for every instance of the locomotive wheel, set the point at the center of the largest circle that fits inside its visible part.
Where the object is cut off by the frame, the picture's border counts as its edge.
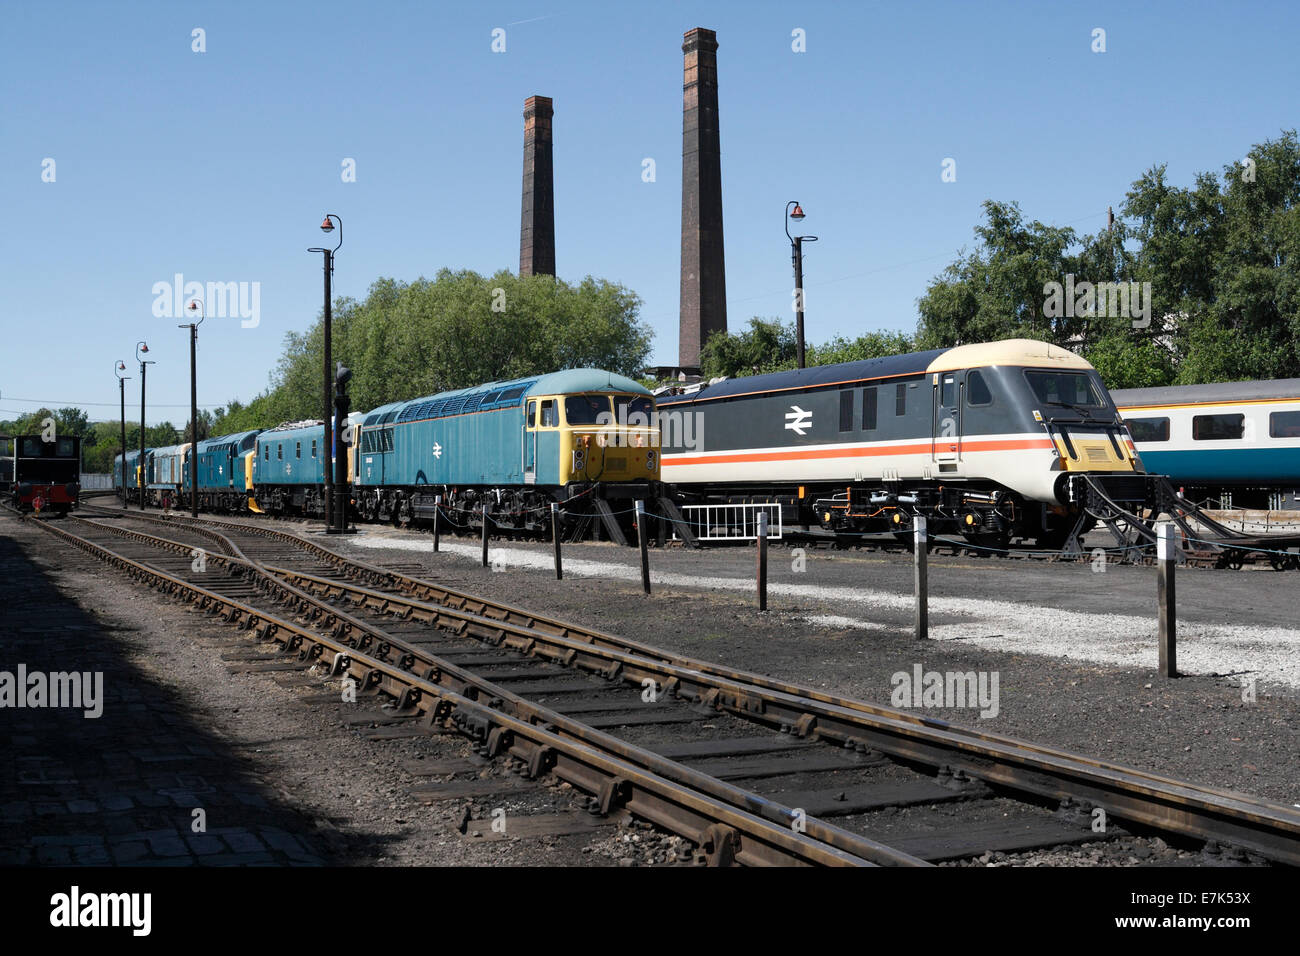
(1232, 560)
(989, 541)
(1283, 562)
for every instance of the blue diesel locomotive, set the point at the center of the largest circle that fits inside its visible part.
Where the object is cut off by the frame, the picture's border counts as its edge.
(516, 445)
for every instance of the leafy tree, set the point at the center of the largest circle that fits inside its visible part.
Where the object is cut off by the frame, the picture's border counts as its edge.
(461, 329)
(766, 346)
(1221, 256)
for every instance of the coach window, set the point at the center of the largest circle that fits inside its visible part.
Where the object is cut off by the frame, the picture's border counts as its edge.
(846, 410)
(900, 399)
(1217, 427)
(1284, 425)
(298, 451)
(869, 408)
(313, 448)
(1148, 429)
(279, 452)
(977, 390)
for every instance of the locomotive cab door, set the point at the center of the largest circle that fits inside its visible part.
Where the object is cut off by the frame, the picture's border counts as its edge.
(946, 423)
(530, 442)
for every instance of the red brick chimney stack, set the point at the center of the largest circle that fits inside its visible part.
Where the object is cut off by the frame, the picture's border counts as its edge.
(537, 221)
(704, 279)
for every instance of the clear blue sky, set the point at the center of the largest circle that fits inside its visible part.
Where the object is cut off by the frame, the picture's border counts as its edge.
(220, 165)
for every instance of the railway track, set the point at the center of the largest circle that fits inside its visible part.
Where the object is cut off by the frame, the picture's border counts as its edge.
(749, 769)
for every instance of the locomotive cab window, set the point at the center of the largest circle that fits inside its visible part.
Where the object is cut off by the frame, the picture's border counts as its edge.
(846, 410)
(279, 452)
(1284, 425)
(266, 452)
(948, 391)
(298, 451)
(1063, 388)
(628, 405)
(1218, 427)
(1148, 429)
(977, 390)
(530, 415)
(550, 414)
(585, 409)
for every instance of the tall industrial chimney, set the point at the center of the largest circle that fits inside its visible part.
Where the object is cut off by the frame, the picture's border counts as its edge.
(704, 279)
(537, 221)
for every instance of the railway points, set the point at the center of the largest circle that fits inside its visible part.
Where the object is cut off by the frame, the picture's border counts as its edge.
(272, 547)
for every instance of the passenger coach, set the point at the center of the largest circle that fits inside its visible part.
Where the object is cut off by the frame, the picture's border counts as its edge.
(1237, 443)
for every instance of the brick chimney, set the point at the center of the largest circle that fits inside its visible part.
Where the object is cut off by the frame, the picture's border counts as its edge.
(537, 221)
(704, 279)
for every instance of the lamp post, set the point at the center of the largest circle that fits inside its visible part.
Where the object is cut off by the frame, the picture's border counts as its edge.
(141, 349)
(194, 309)
(796, 256)
(327, 226)
(118, 368)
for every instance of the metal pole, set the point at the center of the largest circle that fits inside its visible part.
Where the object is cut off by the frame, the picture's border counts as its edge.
(486, 509)
(555, 536)
(643, 539)
(921, 583)
(140, 480)
(437, 519)
(194, 427)
(797, 255)
(1167, 552)
(329, 403)
(126, 495)
(762, 560)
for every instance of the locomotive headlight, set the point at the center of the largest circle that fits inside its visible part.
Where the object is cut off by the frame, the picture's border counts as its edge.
(650, 462)
(579, 459)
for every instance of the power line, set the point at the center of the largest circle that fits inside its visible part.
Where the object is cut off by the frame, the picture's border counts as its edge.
(62, 403)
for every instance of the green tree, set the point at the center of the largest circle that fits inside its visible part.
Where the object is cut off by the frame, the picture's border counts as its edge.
(766, 345)
(412, 339)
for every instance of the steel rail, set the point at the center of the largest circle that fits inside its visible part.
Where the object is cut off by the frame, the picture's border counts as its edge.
(1263, 827)
(509, 614)
(461, 692)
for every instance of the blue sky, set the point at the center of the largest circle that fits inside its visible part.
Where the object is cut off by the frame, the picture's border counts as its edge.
(219, 165)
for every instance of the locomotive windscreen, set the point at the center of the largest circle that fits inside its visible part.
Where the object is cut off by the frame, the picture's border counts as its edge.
(1064, 388)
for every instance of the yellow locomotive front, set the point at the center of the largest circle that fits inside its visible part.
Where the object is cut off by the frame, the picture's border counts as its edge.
(605, 437)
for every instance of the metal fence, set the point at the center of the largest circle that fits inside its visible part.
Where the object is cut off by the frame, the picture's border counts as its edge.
(733, 522)
(96, 482)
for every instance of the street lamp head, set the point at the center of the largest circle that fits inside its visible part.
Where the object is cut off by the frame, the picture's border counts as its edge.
(797, 215)
(121, 365)
(326, 226)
